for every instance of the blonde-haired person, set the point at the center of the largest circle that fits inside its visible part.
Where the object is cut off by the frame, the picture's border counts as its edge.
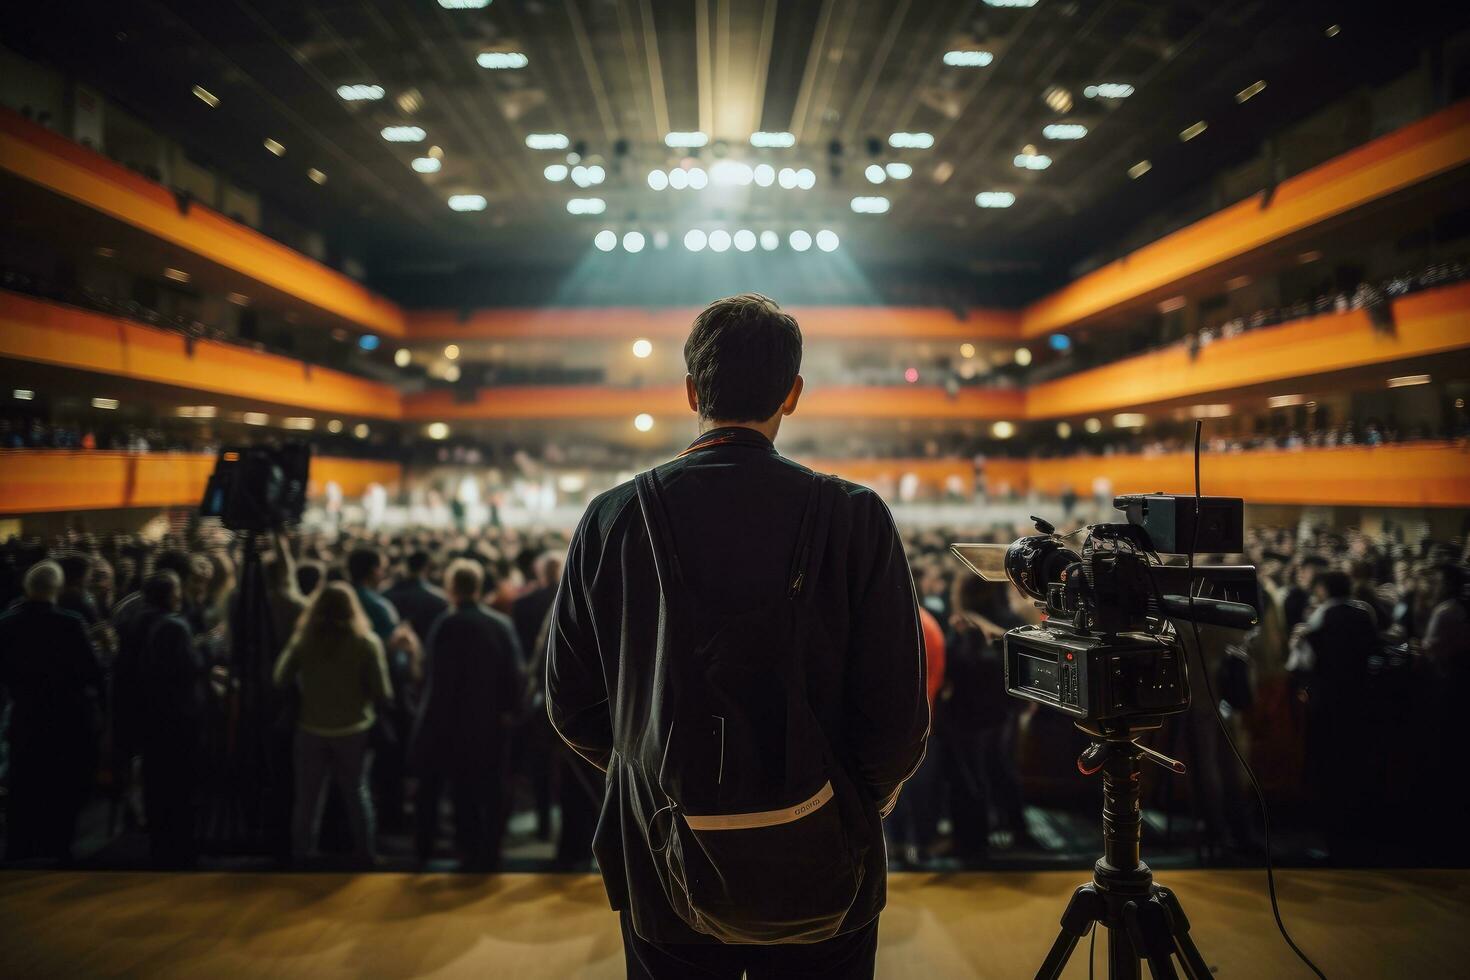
(337, 663)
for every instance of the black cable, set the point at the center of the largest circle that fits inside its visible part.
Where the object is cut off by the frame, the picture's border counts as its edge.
(1225, 729)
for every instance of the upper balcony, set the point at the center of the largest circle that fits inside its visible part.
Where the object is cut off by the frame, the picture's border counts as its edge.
(1402, 163)
(78, 194)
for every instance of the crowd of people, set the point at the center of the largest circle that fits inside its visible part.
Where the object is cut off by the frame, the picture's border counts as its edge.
(405, 673)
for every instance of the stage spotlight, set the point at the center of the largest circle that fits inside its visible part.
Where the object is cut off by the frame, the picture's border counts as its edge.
(698, 179)
(770, 241)
(1003, 430)
(451, 352)
(678, 178)
(764, 175)
(875, 174)
(967, 350)
(899, 171)
(334, 426)
(719, 240)
(555, 173)
(787, 178)
(658, 180)
(403, 357)
(437, 430)
(1093, 426)
(606, 240)
(633, 241)
(429, 165)
(827, 240)
(1064, 430)
(800, 240)
(643, 422)
(806, 179)
(695, 240)
(745, 240)
(1023, 356)
(642, 347)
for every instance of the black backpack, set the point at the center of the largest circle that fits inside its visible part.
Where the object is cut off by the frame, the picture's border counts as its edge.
(749, 813)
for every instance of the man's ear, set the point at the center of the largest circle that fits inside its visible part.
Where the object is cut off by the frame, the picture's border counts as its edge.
(792, 397)
(691, 394)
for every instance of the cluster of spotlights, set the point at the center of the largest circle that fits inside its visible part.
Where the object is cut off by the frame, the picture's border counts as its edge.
(721, 240)
(732, 173)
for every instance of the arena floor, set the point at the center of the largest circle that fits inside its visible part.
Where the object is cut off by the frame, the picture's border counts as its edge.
(974, 924)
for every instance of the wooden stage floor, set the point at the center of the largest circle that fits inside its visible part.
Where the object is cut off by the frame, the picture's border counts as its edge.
(54, 924)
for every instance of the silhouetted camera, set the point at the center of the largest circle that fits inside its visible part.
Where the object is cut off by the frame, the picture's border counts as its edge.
(1108, 653)
(258, 488)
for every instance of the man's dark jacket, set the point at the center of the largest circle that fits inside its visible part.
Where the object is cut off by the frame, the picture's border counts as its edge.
(418, 602)
(48, 665)
(474, 684)
(735, 508)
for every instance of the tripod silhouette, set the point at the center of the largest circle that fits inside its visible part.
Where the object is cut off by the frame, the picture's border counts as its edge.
(1144, 920)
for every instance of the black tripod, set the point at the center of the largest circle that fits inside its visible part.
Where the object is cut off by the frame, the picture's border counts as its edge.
(1144, 920)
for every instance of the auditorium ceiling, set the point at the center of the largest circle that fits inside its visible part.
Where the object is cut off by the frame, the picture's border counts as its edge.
(943, 100)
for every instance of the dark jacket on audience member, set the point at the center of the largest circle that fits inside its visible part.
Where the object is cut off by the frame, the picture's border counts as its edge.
(473, 687)
(48, 665)
(529, 613)
(419, 602)
(735, 507)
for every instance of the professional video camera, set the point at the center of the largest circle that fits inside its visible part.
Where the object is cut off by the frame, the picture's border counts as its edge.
(258, 488)
(1107, 654)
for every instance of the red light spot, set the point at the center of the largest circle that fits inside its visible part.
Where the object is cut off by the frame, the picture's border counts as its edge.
(1069, 656)
(911, 375)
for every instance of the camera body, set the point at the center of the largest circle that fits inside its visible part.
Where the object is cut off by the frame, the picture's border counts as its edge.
(1107, 654)
(258, 488)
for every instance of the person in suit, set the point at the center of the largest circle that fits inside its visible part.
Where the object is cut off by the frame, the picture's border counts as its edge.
(474, 688)
(49, 668)
(418, 600)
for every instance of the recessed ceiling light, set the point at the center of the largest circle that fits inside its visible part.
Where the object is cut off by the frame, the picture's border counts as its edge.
(1003, 429)
(104, 252)
(1064, 131)
(317, 177)
(361, 430)
(1108, 90)
(403, 357)
(106, 404)
(968, 59)
(502, 60)
(686, 140)
(1139, 169)
(427, 165)
(586, 205)
(899, 170)
(911, 141)
(547, 141)
(1250, 91)
(23, 395)
(827, 240)
(875, 174)
(772, 140)
(403, 134)
(467, 202)
(1333, 30)
(606, 240)
(870, 205)
(334, 426)
(255, 418)
(1190, 132)
(744, 240)
(556, 172)
(409, 102)
(437, 430)
(1129, 420)
(1172, 304)
(1209, 411)
(206, 96)
(275, 147)
(719, 240)
(633, 242)
(995, 199)
(451, 352)
(359, 93)
(657, 180)
(1286, 401)
(695, 240)
(806, 179)
(464, 4)
(1032, 161)
(1058, 99)
(1010, 3)
(1064, 430)
(1093, 425)
(1023, 356)
(237, 299)
(1409, 380)
(301, 423)
(799, 240)
(177, 275)
(770, 241)
(1237, 282)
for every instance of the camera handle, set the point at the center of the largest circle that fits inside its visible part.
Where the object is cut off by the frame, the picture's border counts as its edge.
(1144, 920)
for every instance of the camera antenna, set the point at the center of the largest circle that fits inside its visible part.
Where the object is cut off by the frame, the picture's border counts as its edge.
(1225, 729)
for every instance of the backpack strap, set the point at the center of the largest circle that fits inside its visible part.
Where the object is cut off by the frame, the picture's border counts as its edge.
(660, 532)
(811, 541)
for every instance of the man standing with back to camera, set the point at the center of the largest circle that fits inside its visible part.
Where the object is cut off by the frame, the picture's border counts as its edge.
(736, 644)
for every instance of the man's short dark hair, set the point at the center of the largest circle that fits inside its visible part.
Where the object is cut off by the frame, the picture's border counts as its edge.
(743, 354)
(161, 589)
(362, 562)
(1337, 585)
(417, 562)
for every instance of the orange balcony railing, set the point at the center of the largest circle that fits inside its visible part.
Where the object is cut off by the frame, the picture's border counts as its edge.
(45, 480)
(1427, 323)
(49, 333)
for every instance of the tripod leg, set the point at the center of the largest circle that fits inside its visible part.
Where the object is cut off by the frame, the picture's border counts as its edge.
(1149, 929)
(1195, 966)
(1084, 909)
(1122, 954)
